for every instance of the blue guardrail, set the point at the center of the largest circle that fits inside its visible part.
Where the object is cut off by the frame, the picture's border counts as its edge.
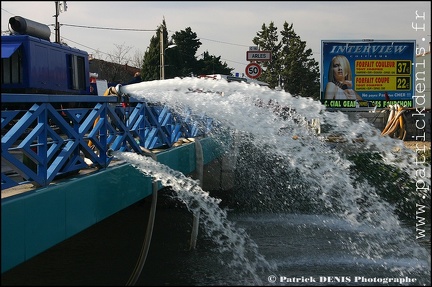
(47, 136)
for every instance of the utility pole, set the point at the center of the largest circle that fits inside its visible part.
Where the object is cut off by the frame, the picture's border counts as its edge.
(161, 47)
(60, 6)
(162, 53)
(57, 26)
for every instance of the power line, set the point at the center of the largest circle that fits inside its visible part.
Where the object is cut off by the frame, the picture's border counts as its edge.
(224, 42)
(145, 30)
(108, 28)
(131, 29)
(6, 11)
(96, 50)
(233, 61)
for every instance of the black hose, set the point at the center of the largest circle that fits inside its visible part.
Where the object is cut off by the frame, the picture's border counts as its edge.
(146, 244)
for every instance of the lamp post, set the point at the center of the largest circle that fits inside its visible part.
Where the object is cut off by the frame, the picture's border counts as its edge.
(162, 74)
(162, 54)
(169, 47)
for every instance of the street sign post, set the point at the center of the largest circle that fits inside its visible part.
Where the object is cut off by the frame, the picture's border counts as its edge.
(258, 56)
(253, 70)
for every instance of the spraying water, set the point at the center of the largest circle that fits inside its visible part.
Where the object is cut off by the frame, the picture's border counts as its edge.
(276, 128)
(229, 238)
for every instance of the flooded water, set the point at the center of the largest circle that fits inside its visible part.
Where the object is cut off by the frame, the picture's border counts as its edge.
(303, 211)
(305, 249)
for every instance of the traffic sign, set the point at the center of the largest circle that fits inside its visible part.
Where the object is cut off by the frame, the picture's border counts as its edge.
(253, 70)
(258, 56)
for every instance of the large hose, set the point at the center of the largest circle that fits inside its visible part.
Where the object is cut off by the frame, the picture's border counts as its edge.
(108, 92)
(199, 168)
(149, 231)
(395, 122)
(402, 131)
(390, 119)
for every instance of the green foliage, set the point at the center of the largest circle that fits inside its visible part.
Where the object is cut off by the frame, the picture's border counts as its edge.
(180, 61)
(392, 184)
(210, 64)
(267, 40)
(424, 155)
(291, 61)
(150, 68)
(151, 63)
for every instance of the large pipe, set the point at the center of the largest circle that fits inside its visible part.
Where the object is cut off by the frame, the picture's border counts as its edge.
(200, 174)
(23, 26)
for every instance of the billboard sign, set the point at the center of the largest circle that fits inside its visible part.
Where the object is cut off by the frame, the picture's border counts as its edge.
(362, 73)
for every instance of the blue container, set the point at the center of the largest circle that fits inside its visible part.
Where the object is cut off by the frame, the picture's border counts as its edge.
(34, 65)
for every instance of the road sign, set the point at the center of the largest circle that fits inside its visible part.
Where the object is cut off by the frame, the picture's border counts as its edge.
(253, 70)
(258, 55)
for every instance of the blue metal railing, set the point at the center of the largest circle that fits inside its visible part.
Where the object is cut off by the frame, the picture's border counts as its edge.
(54, 134)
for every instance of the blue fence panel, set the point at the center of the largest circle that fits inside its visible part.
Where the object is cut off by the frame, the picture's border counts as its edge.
(55, 135)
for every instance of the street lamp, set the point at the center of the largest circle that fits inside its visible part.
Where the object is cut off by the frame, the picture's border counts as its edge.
(162, 53)
(170, 46)
(162, 61)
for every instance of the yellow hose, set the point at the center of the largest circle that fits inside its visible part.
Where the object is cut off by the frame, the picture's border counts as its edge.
(110, 91)
(389, 120)
(402, 131)
(395, 123)
(392, 112)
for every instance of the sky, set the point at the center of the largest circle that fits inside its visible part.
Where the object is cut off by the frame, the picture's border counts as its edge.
(225, 28)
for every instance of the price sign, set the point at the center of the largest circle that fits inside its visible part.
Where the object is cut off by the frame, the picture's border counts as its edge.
(383, 67)
(253, 70)
(382, 83)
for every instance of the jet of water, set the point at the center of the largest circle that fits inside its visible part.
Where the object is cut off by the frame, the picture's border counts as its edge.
(279, 126)
(228, 238)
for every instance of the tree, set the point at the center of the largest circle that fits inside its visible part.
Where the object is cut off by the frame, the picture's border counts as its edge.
(150, 66)
(210, 64)
(291, 61)
(184, 59)
(300, 72)
(181, 60)
(137, 59)
(267, 40)
(115, 73)
(116, 68)
(151, 63)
